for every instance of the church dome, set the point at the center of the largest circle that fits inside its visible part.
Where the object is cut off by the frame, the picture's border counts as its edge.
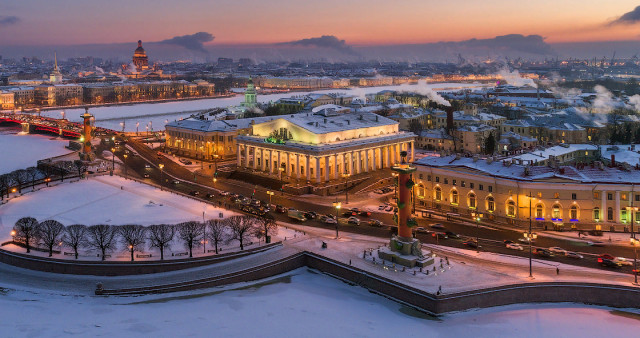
(139, 51)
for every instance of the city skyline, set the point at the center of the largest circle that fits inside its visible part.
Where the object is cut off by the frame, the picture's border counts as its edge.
(359, 23)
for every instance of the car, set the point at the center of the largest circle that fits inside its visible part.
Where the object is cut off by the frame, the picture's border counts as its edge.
(194, 193)
(381, 208)
(328, 219)
(543, 252)
(388, 208)
(623, 261)
(471, 243)
(609, 263)
(280, 209)
(571, 254)
(348, 214)
(452, 234)
(185, 161)
(159, 154)
(147, 165)
(375, 223)
(422, 230)
(557, 250)
(437, 226)
(597, 243)
(256, 203)
(514, 246)
(364, 213)
(356, 210)
(310, 215)
(606, 256)
(175, 182)
(146, 175)
(210, 195)
(438, 235)
(224, 193)
(353, 220)
(506, 241)
(525, 240)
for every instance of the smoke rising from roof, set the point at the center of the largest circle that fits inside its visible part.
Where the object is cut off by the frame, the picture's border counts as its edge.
(193, 42)
(422, 88)
(513, 78)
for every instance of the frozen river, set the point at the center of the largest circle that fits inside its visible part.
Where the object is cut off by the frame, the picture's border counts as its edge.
(158, 114)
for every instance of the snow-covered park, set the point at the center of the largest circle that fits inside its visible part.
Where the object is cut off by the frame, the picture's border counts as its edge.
(19, 151)
(302, 303)
(158, 114)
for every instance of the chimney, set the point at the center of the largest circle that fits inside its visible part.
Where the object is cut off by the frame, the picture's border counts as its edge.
(325, 121)
(613, 160)
(349, 122)
(377, 118)
(449, 118)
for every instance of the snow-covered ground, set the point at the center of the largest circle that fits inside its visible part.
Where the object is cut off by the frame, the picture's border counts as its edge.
(19, 151)
(158, 114)
(105, 200)
(301, 303)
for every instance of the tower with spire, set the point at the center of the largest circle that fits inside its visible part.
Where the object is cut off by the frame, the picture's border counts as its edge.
(250, 95)
(55, 76)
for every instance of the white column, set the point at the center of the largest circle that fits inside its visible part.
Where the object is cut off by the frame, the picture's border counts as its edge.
(374, 159)
(413, 152)
(271, 161)
(263, 162)
(289, 171)
(255, 158)
(388, 165)
(327, 169)
(317, 169)
(246, 156)
(239, 156)
(336, 174)
(297, 166)
(616, 211)
(350, 157)
(366, 160)
(358, 162)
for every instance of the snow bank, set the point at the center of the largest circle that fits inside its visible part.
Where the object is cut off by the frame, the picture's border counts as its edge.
(19, 151)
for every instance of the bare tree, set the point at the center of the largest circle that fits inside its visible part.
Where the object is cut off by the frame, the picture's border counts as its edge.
(80, 166)
(161, 235)
(102, 237)
(266, 226)
(217, 231)
(20, 176)
(25, 229)
(33, 173)
(191, 233)
(75, 236)
(5, 184)
(49, 234)
(133, 236)
(242, 227)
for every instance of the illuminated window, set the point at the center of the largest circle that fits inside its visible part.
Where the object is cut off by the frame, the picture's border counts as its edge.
(454, 197)
(596, 214)
(596, 195)
(420, 190)
(511, 208)
(610, 214)
(573, 212)
(539, 211)
(556, 211)
(556, 195)
(438, 194)
(491, 204)
(472, 201)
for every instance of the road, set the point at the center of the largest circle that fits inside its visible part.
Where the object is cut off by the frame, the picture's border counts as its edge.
(491, 239)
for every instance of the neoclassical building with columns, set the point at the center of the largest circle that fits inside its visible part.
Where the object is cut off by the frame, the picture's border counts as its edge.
(590, 196)
(320, 148)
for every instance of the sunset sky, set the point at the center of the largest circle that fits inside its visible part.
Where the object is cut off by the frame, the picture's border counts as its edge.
(359, 22)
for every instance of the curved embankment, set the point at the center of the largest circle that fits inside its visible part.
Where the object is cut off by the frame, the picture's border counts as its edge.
(118, 268)
(549, 292)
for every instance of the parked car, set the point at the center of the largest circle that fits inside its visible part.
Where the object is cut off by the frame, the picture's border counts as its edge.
(437, 226)
(439, 235)
(194, 193)
(310, 214)
(542, 252)
(364, 213)
(609, 263)
(356, 210)
(210, 195)
(375, 223)
(348, 213)
(514, 246)
(280, 209)
(471, 243)
(224, 193)
(556, 250)
(328, 219)
(572, 254)
(452, 234)
(353, 220)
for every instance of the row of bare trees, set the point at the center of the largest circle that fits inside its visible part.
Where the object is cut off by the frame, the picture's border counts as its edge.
(23, 178)
(132, 237)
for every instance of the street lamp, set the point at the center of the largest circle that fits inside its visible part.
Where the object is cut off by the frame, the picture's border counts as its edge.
(530, 237)
(270, 193)
(346, 187)
(202, 161)
(125, 164)
(337, 205)
(214, 181)
(281, 170)
(215, 161)
(13, 235)
(161, 166)
(530, 231)
(113, 159)
(476, 217)
(635, 243)
(632, 210)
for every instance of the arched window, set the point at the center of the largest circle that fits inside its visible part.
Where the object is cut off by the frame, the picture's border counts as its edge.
(610, 214)
(491, 204)
(556, 211)
(511, 208)
(472, 201)
(438, 194)
(596, 214)
(454, 197)
(420, 190)
(623, 215)
(573, 212)
(539, 211)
